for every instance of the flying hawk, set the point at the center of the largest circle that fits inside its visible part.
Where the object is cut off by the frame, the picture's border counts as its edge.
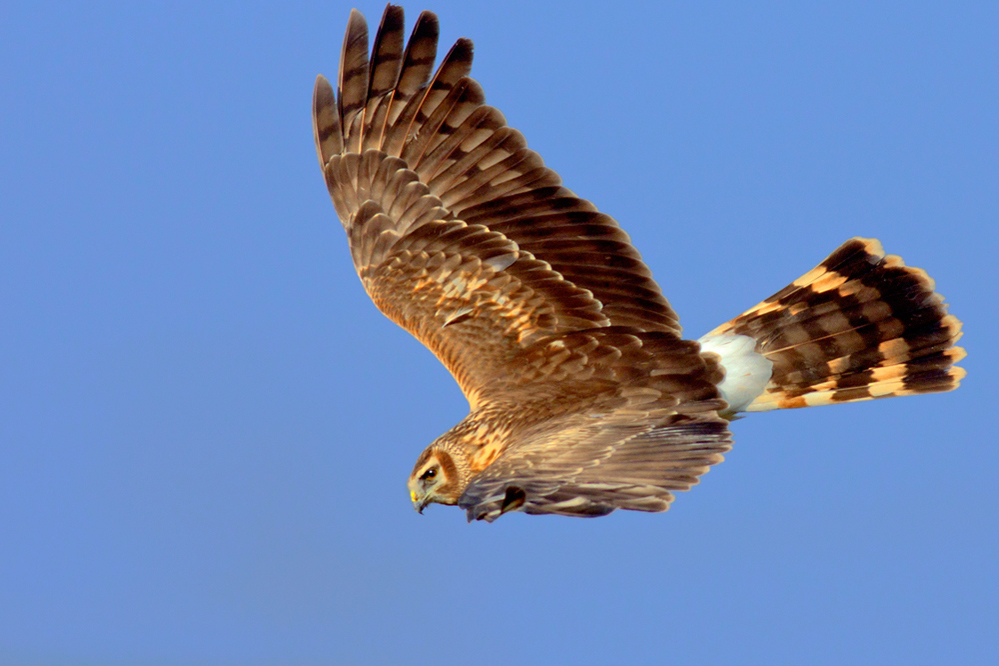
(583, 396)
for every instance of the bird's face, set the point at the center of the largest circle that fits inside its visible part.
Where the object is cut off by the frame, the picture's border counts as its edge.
(434, 479)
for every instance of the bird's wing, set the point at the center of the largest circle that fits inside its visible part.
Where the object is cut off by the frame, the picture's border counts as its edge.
(594, 467)
(458, 231)
(634, 419)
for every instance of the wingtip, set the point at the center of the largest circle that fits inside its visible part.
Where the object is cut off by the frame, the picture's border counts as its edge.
(353, 77)
(463, 49)
(392, 14)
(428, 19)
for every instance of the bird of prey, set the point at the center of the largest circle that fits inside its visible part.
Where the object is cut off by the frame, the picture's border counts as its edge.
(584, 398)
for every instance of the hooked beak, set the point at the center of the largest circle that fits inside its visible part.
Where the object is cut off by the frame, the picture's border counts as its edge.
(418, 504)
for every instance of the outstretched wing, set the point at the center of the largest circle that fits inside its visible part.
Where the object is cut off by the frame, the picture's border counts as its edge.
(597, 465)
(458, 231)
(634, 420)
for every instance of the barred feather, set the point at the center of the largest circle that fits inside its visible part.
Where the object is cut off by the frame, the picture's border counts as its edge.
(860, 325)
(446, 144)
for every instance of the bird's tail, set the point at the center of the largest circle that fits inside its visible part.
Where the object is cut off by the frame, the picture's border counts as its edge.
(860, 325)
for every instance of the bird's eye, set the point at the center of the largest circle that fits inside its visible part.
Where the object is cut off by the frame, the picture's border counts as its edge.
(429, 474)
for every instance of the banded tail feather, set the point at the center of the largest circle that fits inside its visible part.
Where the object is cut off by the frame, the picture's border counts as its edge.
(860, 325)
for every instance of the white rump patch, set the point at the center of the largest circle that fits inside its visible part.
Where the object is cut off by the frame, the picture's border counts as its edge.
(746, 371)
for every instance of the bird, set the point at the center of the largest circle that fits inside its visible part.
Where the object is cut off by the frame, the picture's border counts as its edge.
(583, 395)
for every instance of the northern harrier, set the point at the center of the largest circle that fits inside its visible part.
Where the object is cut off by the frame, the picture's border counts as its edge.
(583, 396)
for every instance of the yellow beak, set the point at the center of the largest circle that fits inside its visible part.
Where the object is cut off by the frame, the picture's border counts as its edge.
(418, 504)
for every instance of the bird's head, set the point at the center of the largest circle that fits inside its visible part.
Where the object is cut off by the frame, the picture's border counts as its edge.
(437, 477)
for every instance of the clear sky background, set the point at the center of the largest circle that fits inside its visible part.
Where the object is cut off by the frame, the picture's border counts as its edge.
(206, 426)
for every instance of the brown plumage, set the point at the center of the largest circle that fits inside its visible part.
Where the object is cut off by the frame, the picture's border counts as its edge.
(583, 396)
(860, 325)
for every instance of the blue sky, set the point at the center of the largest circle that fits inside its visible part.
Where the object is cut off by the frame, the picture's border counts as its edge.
(206, 426)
